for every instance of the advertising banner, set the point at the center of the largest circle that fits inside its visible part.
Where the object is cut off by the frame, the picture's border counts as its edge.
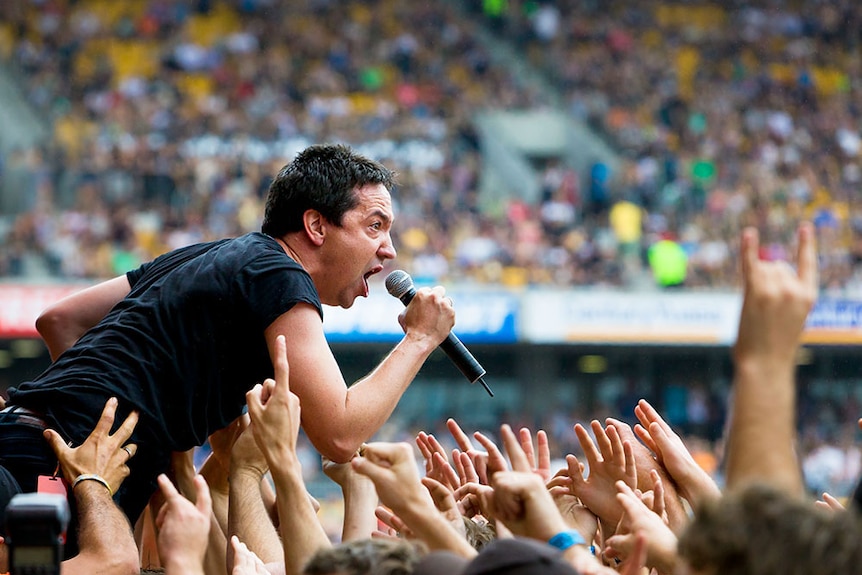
(534, 316)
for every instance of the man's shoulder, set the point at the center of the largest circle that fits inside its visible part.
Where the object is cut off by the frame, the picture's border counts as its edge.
(257, 249)
(237, 252)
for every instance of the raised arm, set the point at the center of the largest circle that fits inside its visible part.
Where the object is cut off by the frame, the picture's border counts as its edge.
(338, 419)
(275, 415)
(392, 467)
(776, 303)
(360, 500)
(63, 323)
(248, 517)
(184, 527)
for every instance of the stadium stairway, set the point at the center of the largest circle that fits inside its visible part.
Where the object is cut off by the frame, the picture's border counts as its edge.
(511, 138)
(22, 129)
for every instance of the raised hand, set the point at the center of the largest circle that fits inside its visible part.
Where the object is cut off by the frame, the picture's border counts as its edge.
(540, 460)
(247, 456)
(436, 463)
(245, 560)
(222, 440)
(395, 527)
(444, 501)
(612, 461)
(776, 300)
(640, 519)
(478, 458)
(646, 464)
(464, 467)
(275, 411)
(693, 483)
(495, 461)
(522, 502)
(577, 515)
(474, 499)
(392, 468)
(183, 527)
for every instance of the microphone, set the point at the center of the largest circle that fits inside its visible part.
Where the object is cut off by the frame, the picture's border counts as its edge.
(400, 284)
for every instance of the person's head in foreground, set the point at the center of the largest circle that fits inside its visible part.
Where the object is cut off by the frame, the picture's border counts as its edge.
(762, 531)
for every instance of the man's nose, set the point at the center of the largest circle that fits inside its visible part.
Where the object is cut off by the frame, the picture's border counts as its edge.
(387, 249)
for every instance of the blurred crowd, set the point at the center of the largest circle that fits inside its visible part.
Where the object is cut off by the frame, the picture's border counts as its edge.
(728, 114)
(170, 118)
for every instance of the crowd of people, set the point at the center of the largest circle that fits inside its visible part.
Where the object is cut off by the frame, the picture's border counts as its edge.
(635, 502)
(171, 122)
(727, 114)
(171, 118)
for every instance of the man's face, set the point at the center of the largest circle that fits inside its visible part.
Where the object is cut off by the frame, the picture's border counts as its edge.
(358, 249)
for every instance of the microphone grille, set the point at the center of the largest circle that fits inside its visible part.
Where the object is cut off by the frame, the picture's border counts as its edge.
(398, 282)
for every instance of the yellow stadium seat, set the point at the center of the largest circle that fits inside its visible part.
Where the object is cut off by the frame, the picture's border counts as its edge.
(7, 40)
(207, 29)
(196, 86)
(133, 58)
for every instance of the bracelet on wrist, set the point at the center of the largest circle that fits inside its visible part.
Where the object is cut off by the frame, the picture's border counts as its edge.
(93, 477)
(565, 539)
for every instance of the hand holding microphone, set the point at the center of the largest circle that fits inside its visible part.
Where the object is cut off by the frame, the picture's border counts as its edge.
(400, 284)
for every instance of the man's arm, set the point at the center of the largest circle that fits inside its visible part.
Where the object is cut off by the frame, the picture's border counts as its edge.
(63, 323)
(105, 537)
(776, 303)
(336, 419)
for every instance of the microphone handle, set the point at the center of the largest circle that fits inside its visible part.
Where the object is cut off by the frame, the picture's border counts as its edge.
(462, 358)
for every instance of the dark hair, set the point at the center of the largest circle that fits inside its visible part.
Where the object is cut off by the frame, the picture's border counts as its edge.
(323, 177)
(366, 557)
(759, 531)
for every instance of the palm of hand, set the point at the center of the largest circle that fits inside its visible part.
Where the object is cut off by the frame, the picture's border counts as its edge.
(577, 515)
(598, 491)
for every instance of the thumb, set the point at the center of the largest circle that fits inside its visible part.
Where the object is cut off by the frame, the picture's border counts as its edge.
(56, 442)
(442, 496)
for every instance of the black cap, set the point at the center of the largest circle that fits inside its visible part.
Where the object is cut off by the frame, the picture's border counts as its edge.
(511, 556)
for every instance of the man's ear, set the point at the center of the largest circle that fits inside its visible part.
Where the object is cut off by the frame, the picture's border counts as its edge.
(315, 226)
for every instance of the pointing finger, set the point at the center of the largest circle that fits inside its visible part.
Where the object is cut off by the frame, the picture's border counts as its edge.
(806, 258)
(749, 247)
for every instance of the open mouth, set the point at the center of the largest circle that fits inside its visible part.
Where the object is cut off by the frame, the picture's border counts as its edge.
(372, 271)
(368, 274)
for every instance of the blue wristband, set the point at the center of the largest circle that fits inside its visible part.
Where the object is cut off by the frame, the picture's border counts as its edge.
(565, 539)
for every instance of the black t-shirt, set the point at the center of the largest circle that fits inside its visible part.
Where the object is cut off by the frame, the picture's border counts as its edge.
(183, 347)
